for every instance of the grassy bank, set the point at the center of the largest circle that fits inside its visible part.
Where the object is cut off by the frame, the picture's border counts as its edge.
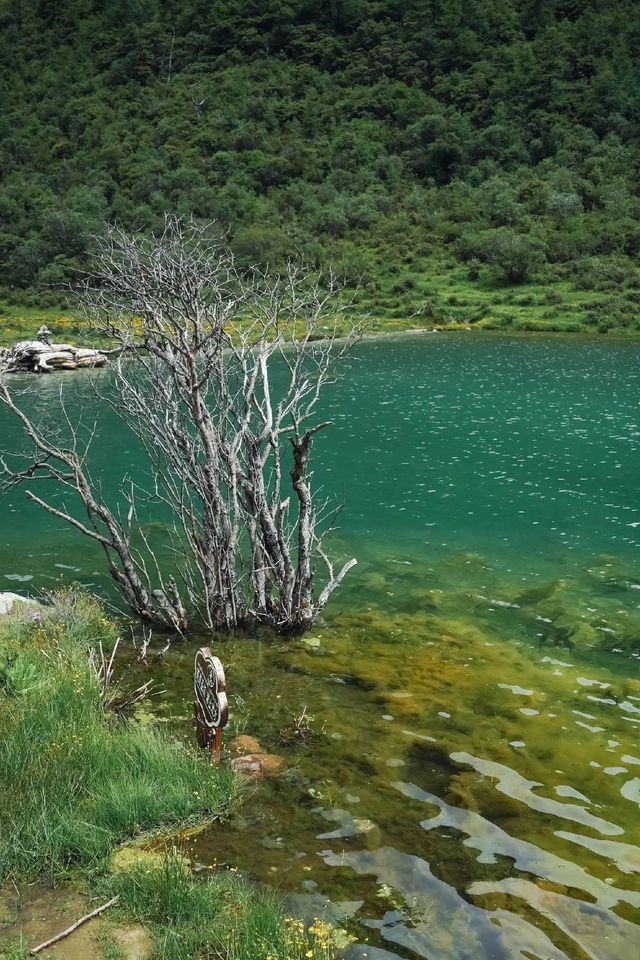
(422, 295)
(439, 291)
(76, 780)
(22, 323)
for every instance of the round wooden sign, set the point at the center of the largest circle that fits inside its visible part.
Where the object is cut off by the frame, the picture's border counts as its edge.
(208, 684)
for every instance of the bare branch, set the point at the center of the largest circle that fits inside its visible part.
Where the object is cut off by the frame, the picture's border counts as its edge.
(219, 374)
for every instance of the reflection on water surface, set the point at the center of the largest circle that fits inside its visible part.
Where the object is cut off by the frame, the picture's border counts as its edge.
(472, 790)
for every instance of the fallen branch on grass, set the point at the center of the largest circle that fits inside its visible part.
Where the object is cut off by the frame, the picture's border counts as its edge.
(74, 926)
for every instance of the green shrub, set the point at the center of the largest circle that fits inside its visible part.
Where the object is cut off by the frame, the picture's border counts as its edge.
(603, 273)
(516, 256)
(552, 297)
(401, 286)
(473, 272)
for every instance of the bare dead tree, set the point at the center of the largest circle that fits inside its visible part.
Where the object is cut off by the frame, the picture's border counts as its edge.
(63, 459)
(219, 374)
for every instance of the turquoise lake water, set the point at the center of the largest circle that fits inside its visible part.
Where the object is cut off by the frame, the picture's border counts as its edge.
(473, 786)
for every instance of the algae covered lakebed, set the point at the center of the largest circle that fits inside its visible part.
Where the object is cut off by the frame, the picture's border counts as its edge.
(472, 784)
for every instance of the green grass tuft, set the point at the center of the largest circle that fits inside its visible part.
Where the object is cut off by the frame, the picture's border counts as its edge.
(220, 916)
(13, 951)
(436, 292)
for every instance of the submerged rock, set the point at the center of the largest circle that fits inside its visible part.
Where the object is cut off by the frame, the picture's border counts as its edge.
(532, 596)
(124, 858)
(250, 760)
(258, 765)
(244, 744)
(631, 688)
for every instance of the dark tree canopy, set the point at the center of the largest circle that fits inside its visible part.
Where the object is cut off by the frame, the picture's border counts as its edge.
(327, 127)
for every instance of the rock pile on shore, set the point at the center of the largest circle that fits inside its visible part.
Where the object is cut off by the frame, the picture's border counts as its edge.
(38, 356)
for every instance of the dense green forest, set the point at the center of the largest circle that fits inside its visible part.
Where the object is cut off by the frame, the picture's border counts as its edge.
(458, 160)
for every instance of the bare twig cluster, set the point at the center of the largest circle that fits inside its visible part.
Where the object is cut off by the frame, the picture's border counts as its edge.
(219, 375)
(112, 696)
(300, 729)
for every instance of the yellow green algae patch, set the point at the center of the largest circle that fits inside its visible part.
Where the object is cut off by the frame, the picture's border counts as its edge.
(459, 769)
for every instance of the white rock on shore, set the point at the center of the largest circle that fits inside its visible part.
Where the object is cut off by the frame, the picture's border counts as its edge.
(37, 356)
(7, 601)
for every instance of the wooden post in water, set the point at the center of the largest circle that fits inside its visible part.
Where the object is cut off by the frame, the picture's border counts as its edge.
(210, 705)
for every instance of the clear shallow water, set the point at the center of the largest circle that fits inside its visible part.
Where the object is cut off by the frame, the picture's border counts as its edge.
(474, 784)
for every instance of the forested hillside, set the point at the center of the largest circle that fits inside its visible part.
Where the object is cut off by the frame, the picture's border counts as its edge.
(440, 153)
